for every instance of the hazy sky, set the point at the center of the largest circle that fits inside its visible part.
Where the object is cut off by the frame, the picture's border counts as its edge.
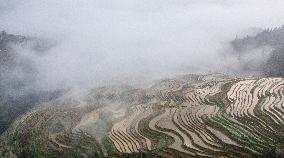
(99, 40)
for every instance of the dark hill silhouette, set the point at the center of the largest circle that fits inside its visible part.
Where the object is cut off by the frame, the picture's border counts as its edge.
(274, 38)
(15, 99)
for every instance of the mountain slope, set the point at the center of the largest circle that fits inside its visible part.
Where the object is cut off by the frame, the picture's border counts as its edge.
(189, 116)
(272, 38)
(17, 76)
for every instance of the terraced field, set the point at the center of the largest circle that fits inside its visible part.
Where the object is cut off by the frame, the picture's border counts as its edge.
(189, 116)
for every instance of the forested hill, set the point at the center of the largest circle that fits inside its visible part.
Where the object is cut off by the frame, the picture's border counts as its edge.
(17, 75)
(273, 38)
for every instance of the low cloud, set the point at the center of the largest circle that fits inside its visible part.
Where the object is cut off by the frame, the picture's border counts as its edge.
(101, 41)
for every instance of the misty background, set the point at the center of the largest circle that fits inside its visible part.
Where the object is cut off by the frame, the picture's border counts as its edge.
(73, 43)
(105, 40)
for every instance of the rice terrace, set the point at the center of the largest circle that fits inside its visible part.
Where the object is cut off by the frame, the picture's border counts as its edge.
(141, 79)
(191, 116)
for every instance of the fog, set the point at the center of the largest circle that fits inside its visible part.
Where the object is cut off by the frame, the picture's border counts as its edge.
(101, 41)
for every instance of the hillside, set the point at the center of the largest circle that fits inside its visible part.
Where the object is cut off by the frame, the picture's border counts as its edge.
(188, 116)
(272, 38)
(17, 74)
